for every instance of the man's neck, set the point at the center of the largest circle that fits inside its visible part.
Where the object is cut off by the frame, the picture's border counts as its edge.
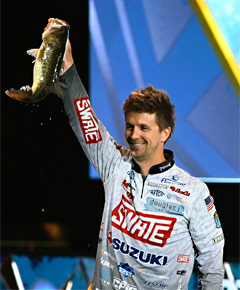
(146, 165)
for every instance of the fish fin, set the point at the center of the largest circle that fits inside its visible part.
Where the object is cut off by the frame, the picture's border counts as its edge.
(33, 52)
(57, 90)
(23, 95)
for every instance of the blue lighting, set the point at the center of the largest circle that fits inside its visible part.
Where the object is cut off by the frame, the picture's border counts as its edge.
(227, 15)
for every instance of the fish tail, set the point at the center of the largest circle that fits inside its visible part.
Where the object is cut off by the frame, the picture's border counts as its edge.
(25, 94)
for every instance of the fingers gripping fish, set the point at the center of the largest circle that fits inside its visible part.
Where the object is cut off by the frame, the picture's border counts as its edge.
(47, 64)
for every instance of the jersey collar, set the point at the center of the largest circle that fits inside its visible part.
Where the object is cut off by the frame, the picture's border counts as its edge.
(158, 168)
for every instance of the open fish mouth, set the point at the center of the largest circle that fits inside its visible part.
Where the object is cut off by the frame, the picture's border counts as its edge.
(56, 23)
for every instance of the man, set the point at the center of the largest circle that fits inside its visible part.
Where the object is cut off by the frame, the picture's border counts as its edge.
(157, 218)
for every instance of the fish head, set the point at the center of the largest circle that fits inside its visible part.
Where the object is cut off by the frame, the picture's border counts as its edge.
(55, 29)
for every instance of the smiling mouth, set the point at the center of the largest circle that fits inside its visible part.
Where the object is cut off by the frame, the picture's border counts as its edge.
(133, 144)
(137, 144)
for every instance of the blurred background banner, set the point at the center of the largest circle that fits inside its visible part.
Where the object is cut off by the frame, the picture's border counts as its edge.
(46, 273)
(193, 54)
(66, 273)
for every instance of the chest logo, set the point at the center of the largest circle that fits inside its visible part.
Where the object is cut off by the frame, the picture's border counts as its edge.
(148, 228)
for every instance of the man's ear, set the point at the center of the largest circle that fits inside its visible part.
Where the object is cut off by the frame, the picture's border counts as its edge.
(166, 133)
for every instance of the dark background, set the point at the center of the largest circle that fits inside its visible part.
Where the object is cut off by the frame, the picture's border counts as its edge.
(44, 173)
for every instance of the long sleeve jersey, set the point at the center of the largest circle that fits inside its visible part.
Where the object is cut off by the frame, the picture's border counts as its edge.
(152, 230)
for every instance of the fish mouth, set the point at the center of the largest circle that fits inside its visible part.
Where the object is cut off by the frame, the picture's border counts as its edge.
(56, 23)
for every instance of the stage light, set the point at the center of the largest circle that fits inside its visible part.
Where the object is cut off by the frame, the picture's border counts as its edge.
(11, 275)
(43, 285)
(17, 275)
(230, 283)
(69, 285)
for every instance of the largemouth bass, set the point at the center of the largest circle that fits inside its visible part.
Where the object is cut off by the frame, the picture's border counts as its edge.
(47, 65)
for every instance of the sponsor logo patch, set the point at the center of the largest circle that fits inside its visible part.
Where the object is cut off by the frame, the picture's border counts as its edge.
(155, 285)
(164, 167)
(88, 122)
(147, 228)
(178, 190)
(156, 192)
(105, 274)
(181, 272)
(172, 180)
(175, 197)
(122, 285)
(183, 258)
(159, 185)
(139, 255)
(163, 206)
(217, 220)
(209, 202)
(126, 270)
(106, 263)
(218, 238)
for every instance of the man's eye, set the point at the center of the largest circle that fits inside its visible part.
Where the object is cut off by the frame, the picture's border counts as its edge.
(129, 127)
(144, 128)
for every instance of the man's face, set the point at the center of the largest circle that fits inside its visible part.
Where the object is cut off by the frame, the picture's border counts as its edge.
(144, 137)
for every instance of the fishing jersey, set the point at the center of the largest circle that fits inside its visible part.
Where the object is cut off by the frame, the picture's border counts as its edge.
(153, 229)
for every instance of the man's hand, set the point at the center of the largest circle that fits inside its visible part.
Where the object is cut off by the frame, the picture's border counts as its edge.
(68, 58)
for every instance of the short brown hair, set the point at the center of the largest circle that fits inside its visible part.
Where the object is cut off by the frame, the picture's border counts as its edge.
(150, 100)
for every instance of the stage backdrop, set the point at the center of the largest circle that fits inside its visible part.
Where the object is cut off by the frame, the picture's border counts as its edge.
(134, 43)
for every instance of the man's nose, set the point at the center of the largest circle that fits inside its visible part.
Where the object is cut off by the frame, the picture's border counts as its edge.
(135, 134)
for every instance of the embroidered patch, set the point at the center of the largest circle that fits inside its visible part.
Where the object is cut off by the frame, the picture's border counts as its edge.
(217, 220)
(183, 259)
(126, 270)
(218, 239)
(209, 202)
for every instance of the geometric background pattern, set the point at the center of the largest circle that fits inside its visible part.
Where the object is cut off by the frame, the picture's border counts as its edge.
(134, 43)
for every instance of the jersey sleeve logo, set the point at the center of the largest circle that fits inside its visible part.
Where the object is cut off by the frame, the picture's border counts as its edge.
(148, 228)
(88, 122)
(209, 201)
